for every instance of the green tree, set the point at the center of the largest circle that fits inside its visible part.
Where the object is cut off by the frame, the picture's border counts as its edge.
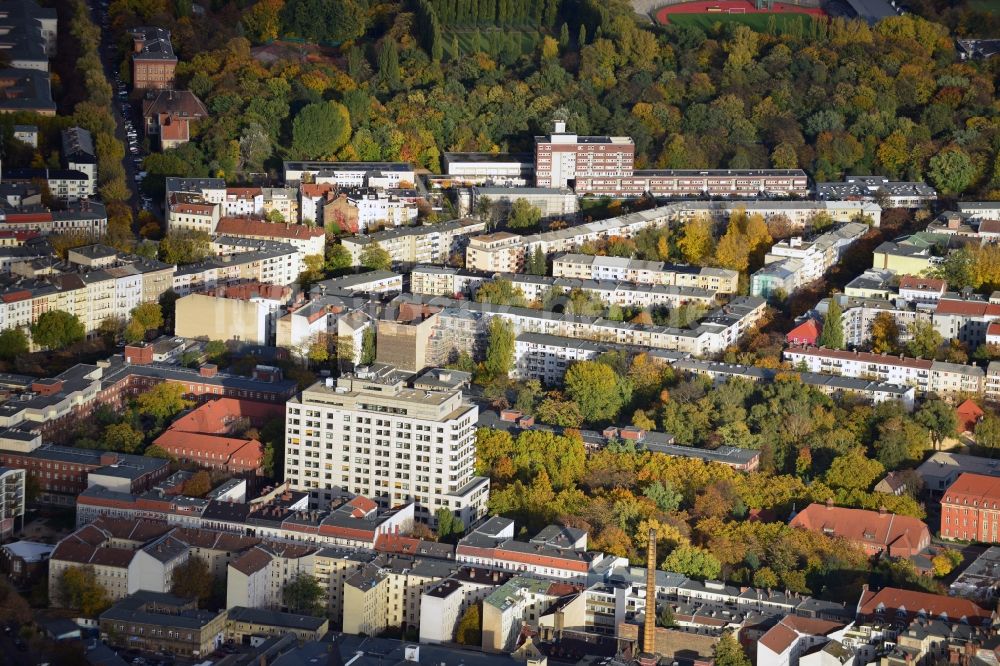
(56, 329)
(536, 264)
(448, 523)
(832, 335)
(193, 580)
(854, 471)
(303, 595)
(158, 452)
(664, 496)
(338, 258)
(693, 561)
(939, 418)
(320, 130)
(499, 348)
(368, 349)
(523, 215)
(122, 437)
(375, 258)
(501, 292)
(924, 340)
(145, 317)
(988, 433)
(597, 389)
(185, 247)
(952, 170)
(13, 343)
(729, 652)
(388, 63)
(665, 616)
(163, 401)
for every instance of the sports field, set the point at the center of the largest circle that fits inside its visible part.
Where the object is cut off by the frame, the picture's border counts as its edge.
(705, 13)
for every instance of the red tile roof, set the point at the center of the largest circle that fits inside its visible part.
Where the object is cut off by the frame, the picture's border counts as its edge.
(805, 333)
(218, 416)
(252, 561)
(922, 283)
(891, 602)
(973, 490)
(782, 635)
(315, 190)
(245, 226)
(243, 192)
(989, 227)
(951, 306)
(901, 535)
(29, 217)
(213, 450)
(247, 291)
(968, 414)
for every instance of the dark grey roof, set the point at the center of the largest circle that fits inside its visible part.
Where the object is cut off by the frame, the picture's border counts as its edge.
(156, 44)
(78, 145)
(275, 618)
(26, 89)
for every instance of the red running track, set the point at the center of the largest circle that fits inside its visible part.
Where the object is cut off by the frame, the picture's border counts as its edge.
(723, 7)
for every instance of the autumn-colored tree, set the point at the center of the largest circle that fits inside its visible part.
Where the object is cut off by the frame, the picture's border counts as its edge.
(193, 579)
(697, 242)
(79, 589)
(469, 630)
(854, 470)
(884, 333)
(198, 485)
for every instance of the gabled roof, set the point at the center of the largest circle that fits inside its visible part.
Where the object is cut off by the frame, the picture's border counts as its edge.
(973, 490)
(866, 527)
(175, 103)
(891, 601)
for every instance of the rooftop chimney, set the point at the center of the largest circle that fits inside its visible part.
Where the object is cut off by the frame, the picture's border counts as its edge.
(649, 627)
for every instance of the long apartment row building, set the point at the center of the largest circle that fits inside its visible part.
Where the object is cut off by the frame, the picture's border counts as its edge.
(370, 434)
(419, 335)
(427, 244)
(927, 376)
(589, 267)
(438, 281)
(506, 252)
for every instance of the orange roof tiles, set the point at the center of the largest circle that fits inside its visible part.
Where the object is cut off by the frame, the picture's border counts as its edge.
(891, 602)
(973, 490)
(949, 306)
(240, 226)
(783, 635)
(867, 528)
(922, 283)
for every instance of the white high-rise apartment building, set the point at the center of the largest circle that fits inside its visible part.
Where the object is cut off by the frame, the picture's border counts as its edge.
(371, 435)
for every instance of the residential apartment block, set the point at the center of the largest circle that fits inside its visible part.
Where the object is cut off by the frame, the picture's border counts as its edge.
(453, 281)
(246, 312)
(427, 244)
(369, 434)
(589, 267)
(78, 154)
(791, 264)
(12, 499)
(499, 252)
(935, 377)
(737, 183)
(160, 622)
(965, 319)
(351, 174)
(67, 185)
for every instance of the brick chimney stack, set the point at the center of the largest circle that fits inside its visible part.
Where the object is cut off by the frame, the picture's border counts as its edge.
(649, 627)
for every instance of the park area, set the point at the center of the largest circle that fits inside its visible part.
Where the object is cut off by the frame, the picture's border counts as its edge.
(705, 13)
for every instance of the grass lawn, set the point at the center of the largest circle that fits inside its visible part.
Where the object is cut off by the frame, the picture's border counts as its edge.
(759, 22)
